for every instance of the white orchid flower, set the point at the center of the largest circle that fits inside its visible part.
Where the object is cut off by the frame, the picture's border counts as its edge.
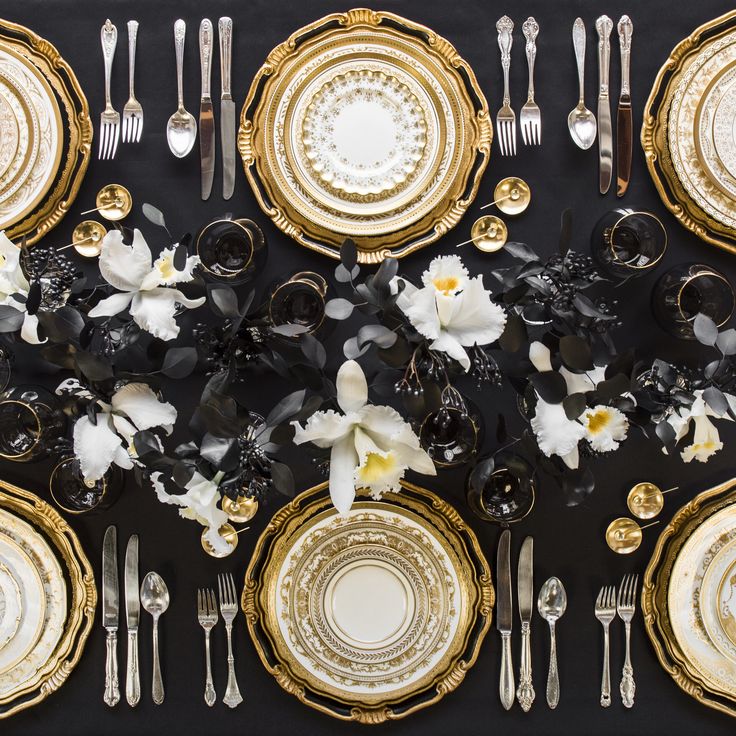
(451, 309)
(134, 407)
(144, 286)
(199, 503)
(706, 439)
(605, 427)
(372, 446)
(13, 281)
(556, 434)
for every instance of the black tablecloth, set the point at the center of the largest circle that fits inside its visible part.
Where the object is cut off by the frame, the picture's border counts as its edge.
(569, 542)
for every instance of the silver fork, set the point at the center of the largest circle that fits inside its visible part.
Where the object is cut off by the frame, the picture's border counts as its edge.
(110, 118)
(626, 609)
(229, 610)
(530, 119)
(605, 612)
(132, 112)
(506, 118)
(207, 617)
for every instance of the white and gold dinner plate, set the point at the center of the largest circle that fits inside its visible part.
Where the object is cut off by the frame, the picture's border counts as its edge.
(11, 605)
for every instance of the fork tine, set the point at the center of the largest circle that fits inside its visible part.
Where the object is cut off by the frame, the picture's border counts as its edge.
(125, 128)
(538, 133)
(116, 135)
(199, 602)
(233, 593)
(499, 131)
(599, 599)
(138, 128)
(219, 587)
(505, 129)
(513, 138)
(101, 153)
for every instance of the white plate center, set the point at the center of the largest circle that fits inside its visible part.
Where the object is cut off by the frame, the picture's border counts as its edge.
(365, 135)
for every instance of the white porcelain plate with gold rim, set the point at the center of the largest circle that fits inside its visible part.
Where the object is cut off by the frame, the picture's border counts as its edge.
(11, 605)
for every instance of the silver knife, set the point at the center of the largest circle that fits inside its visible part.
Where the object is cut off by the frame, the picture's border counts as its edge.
(624, 122)
(227, 108)
(604, 26)
(525, 585)
(133, 614)
(206, 114)
(110, 607)
(504, 619)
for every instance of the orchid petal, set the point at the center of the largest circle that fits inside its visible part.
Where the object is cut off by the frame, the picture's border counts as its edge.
(124, 266)
(555, 433)
(343, 461)
(29, 330)
(421, 311)
(476, 320)
(323, 429)
(540, 356)
(446, 343)
(97, 447)
(446, 269)
(154, 311)
(141, 405)
(352, 387)
(112, 305)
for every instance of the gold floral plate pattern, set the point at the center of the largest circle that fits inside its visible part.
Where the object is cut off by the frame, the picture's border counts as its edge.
(365, 125)
(686, 598)
(71, 597)
(687, 135)
(45, 134)
(372, 616)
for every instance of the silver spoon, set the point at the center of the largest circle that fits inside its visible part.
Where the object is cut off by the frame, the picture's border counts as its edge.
(552, 603)
(155, 599)
(581, 121)
(181, 130)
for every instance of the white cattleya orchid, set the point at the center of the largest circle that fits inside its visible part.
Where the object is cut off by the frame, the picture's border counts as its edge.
(109, 439)
(199, 503)
(372, 446)
(14, 282)
(145, 287)
(452, 310)
(706, 439)
(605, 427)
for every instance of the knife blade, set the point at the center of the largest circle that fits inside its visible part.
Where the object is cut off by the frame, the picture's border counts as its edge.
(227, 107)
(525, 591)
(604, 26)
(110, 611)
(624, 122)
(206, 113)
(504, 618)
(133, 615)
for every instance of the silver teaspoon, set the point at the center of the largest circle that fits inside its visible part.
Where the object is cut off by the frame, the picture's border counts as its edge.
(181, 130)
(155, 599)
(551, 604)
(581, 121)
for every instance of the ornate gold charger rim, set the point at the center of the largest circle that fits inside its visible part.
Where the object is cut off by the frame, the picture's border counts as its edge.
(448, 674)
(81, 591)
(76, 133)
(403, 240)
(654, 595)
(654, 137)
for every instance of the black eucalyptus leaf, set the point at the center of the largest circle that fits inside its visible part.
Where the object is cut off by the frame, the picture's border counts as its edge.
(221, 452)
(521, 251)
(33, 300)
(183, 472)
(574, 405)
(179, 362)
(351, 350)
(575, 353)
(307, 375)
(343, 276)
(339, 308)
(286, 408)
(223, 300)
(726, 341)
(667, 435)
(60, 354)
(388, 269)
(220, 416)
(378, 334)
(705, 329)
(482, 471)
(91, 411)
(577, 485)
(613, 387)
(283, 478)
(154, 215)
(550, 385)
(181, 253)
(290, 330)
(282, 435)
(711, 369)
(586, 307)
(384, 382)
(313, 350)
(62, 325)
(349, 254)
(514, 335)
(398, 355)
(93, 368)
(565, 231)
(716, 400)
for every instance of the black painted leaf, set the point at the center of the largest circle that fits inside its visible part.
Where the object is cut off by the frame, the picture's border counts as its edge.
(282, 435)
(290, 330)
(154, 215)
(574, 405)
(715, 399)
(314, 351)
(286, 408)
(339, 308)
(180, 257)
(33, 300)
(378, 334)
(179, 362)
(666, 434)
(351, 350)
(307, 375)
(577, 485)
(705, 329)
(223, 300)
(343, 276)
(219, 414)
(514, 334)
(550, 385)
(501, 433)
(61, 354)
(482, 471)
(398, 354)
(222, 452)
(575, 353)
(711, 369)
(521, 251)
(726, 341)
(386, 271)
(349, 254)
(183, 472)
(283, 478)
(384, 382)
(586, 307)
(93, 368)
(63, 324)
(611, 388)
(565, 231)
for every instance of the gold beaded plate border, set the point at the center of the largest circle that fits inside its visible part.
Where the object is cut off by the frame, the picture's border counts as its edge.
(471, 120)
(440, 520)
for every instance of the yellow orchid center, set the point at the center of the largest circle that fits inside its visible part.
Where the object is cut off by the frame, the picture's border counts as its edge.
(166, 267)
(376, 467)
(446, 284)
(598, 421)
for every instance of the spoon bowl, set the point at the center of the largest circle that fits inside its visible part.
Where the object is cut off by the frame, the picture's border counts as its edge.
(582, 125)
(154, 594)
(552, 601)
(181, 132)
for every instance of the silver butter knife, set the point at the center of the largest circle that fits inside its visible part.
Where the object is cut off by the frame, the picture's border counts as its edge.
(604, 26)
(133, 614)
(110, 608)
(227, 107)
(525, 586)
(206, 114)
(504, 619)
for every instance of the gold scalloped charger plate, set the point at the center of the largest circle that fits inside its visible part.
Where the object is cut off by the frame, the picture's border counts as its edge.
(371, 616)
(42, 539)
(688, 134)
(689, 598)
(365, 125)
(45, 134)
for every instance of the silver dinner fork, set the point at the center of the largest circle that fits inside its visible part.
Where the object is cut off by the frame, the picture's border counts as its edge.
(229, 610)
(110, 118)
(506, 118)
(207, 617)
(530, 118)
(132, 112)
(605, 612)
(626, 609)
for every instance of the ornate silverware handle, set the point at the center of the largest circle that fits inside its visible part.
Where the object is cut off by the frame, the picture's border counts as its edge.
(578, 43)
(553, 677)
(628, 686)
(232, 692)
(180, 32)
(506, 682)
(525, 692)
(132, 674)
(209, 688)
(505, 26)
(226, 54)
(604, 26)
(531, 31)
(606, 681)
(109, 39)
(132, 41)
(157, 686)
(205, 55)
(625, 32)
(112, 689)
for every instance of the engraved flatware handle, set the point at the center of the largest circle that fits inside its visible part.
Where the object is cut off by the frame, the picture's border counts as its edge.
(232, 697)
(505, 27)
(132, 41)
(112, 689)
(209, 689)
(578, 43)
(625, 32)
(530, 29)
(506, 683)
(109, 39)
(606, 681)
(205, 55)
(553, 677)
(225, 26)
(132, 674)
(157, 686)
(180, 33)
(628, 686)
(604, 26)
(525, 692)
